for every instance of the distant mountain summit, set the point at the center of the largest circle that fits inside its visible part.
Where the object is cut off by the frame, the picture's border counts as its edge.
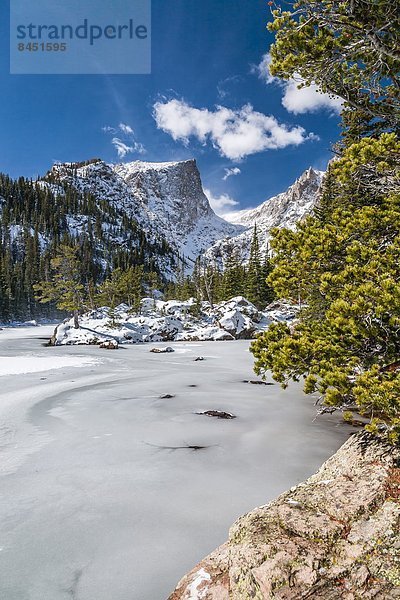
(287, 208)
(166, 199)
(284, 210)
(168, 202)
(129, 214)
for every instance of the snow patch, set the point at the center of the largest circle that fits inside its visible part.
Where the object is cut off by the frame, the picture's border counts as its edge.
(19, 365)
(174, 320)
(202, 578)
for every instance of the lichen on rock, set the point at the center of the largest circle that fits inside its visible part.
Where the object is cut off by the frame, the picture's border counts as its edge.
(334, 536)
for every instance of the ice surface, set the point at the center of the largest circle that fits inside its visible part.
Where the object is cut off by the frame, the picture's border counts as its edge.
(33, 364)
(100, 497)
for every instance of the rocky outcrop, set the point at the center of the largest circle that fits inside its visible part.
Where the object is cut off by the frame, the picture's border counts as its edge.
(285, 209)
(335, 536)
(172, 321)
(109, 345)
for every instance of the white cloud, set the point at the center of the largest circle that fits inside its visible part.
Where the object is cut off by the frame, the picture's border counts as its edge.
(231, 173)
(220, 204)
(308, 99)
(108, 129)
(262, 69)
(234, 133)
(123, 140)
(126, 129)
(224, 83)
(122, 148)
(298, 100)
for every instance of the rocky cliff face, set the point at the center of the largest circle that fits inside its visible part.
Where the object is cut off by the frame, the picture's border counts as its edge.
(335, 536)
(166, 199)
(283, 210)
(286, 209)
(168, 202)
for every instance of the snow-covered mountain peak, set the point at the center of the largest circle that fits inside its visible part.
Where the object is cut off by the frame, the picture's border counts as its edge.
(168, 202)
(171, 188)
(172, 200)
(166, 199)
(140, 165)
(287, 208)
(284, 210)
(79, 169)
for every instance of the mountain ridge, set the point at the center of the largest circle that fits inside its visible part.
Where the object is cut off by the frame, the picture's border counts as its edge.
(154, 215)
(283, 210)
(248, 216)
(168, 201)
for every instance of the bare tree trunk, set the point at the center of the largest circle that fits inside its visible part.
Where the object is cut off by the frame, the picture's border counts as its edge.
(208, 281)
(76, 319)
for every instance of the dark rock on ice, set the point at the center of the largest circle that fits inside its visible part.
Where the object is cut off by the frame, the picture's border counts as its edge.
(218, 414)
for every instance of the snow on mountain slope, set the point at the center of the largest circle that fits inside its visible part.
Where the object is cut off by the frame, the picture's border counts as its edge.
(166, 199)
(284, 210)
(287, 208)
(173, 201)
(168, 202)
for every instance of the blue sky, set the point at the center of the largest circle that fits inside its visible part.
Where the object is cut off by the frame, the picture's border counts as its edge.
(205, 98)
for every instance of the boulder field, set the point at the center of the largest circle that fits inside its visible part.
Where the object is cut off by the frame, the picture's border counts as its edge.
(172, 321)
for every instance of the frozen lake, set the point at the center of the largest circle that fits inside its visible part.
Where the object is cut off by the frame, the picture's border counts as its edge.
(92, 504)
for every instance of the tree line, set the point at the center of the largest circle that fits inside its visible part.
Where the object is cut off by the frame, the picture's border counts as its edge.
(65, 288)
(37, 218)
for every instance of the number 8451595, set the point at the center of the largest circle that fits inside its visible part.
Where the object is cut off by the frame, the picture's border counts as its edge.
(42, 47)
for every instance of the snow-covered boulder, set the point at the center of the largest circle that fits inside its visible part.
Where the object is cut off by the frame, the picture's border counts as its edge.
(203, 334)
(174, 320)
(177, 307)
(239, 325)
(240, 304)
(109, 345)
(166, 350)
(147, 305)
(164, 329)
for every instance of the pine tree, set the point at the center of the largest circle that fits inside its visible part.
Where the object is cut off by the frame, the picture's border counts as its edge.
(325, 44)
(122, 287)
(65, 286)
(324, 208)
(233, 279)
(347, 268)
(267, 292)
(342, 265)
(255, 284)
